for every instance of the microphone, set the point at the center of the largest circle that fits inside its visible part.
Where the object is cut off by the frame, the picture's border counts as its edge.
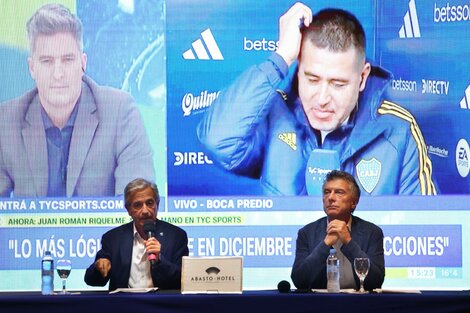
(283, 286)
(149, 229)
(320, 163)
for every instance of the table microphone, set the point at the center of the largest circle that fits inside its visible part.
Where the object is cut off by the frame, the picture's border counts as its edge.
(283, 286)
(149, 229)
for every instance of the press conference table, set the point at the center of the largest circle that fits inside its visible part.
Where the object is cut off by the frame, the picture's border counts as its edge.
(250, 301)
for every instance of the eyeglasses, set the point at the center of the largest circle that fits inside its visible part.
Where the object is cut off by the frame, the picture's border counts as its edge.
(150, 203)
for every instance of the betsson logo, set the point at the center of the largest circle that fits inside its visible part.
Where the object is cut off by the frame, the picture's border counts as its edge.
(205, 49)
(404, 85)
(191, 103)
(451, 13)
(259, 44)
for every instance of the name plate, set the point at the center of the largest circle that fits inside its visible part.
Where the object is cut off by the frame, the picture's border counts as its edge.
(211, 275)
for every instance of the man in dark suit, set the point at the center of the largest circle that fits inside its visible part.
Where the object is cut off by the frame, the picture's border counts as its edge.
(123, 258)
(351, 236)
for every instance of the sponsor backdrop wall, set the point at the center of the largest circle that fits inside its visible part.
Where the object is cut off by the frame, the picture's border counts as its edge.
(175, 58)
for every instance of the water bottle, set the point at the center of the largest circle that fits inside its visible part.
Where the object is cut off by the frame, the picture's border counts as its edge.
(332, 272)
(47, 274)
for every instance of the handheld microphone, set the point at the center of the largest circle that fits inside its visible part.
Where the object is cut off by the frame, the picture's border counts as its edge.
(283, 286)
(149, 229)
(320, 163)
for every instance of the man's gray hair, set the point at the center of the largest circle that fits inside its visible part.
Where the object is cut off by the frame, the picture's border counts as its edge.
(51, 19)
(137, 185)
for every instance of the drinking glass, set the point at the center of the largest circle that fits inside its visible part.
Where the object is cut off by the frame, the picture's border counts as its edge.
(361, 267)
(64, 267)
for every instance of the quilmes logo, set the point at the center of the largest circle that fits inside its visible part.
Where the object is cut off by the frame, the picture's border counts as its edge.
(465, 102)
(410, 27)
(192, 103)
(204, 48)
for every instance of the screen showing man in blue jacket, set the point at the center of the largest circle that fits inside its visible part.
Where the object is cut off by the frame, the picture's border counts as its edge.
(270, 124)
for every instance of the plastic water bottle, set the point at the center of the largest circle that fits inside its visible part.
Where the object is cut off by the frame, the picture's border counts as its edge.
(47, 274)
(332, 272)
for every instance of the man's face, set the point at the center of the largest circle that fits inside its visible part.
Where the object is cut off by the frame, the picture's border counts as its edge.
(338, 200)
(142, 208)
(57, 65)
(329, 84)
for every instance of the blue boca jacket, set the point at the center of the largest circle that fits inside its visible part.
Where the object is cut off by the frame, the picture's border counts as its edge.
(258, 129)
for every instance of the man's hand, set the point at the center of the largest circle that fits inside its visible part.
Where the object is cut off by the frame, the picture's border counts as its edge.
(289, 31)
(152, 245)
(103, 266)
(331, 239)
(337, 230)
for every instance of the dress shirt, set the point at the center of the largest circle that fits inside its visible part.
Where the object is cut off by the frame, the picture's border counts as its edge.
(58, 146)
(140, 276)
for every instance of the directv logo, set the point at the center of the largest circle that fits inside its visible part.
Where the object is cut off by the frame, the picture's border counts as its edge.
(465, 102)
(410, 27)
(203, 48)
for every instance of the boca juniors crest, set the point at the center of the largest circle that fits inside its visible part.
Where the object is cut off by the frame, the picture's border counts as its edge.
(368, 173)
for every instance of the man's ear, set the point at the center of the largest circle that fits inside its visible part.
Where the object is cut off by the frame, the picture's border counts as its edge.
(353, 206)
(364, 75)
(84, 60)
(31, 67)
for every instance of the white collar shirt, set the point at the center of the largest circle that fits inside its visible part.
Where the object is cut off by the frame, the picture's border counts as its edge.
(140, 276)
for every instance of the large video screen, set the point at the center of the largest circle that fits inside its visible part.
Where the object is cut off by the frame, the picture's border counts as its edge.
(177, 59)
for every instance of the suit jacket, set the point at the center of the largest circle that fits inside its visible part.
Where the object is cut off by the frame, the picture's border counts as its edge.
(109, 146)
(309, 269)
(117, 247)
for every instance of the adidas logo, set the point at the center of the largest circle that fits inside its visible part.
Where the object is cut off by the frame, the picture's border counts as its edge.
(203, 48)
(410, 27)
(465, 102)
(290, 139)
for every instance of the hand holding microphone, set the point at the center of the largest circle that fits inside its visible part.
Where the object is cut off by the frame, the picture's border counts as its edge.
(152, 245)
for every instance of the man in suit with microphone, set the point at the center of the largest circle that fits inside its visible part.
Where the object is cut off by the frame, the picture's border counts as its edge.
(317, 91)
(352, 237)
(137, 256)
